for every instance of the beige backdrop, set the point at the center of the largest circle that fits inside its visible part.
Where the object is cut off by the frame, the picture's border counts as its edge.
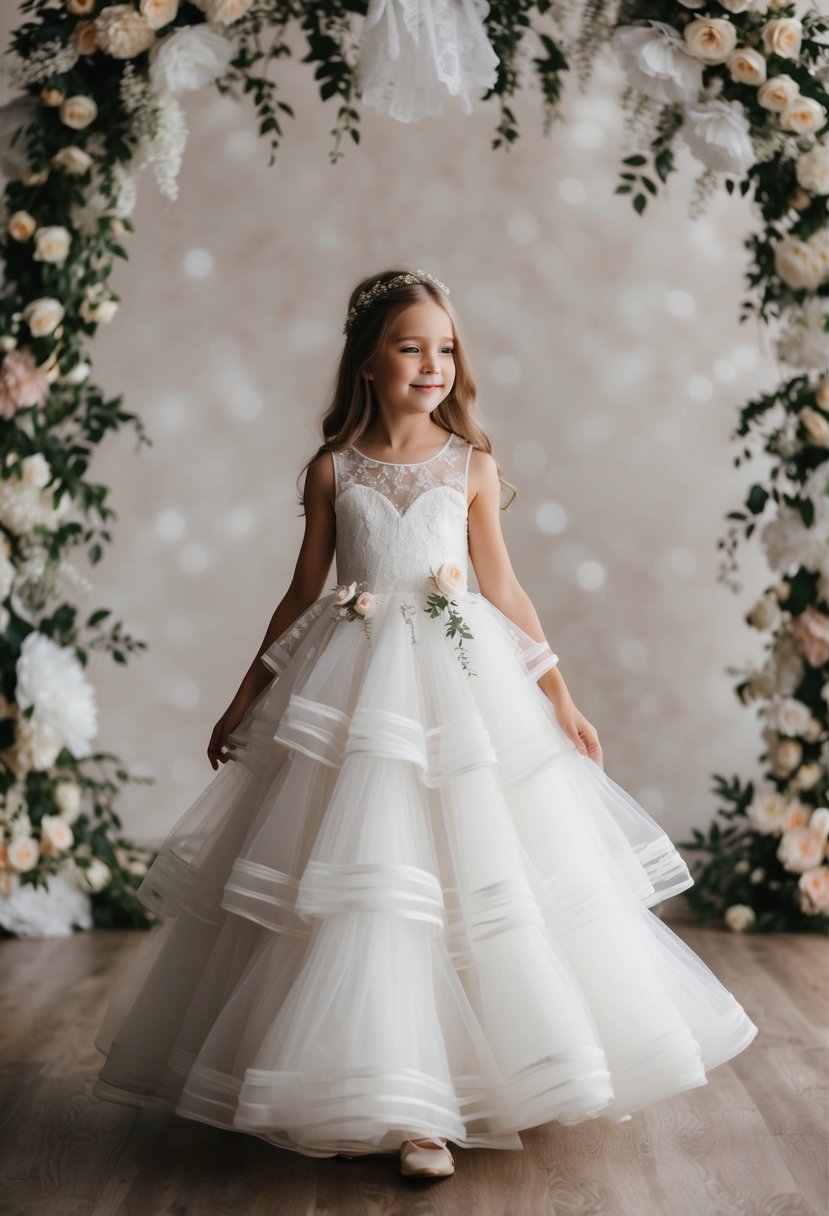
(611, 367)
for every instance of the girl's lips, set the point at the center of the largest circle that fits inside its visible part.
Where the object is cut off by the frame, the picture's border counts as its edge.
(427, 387)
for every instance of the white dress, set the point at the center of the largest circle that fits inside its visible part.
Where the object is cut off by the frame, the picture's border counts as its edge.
(410, 906)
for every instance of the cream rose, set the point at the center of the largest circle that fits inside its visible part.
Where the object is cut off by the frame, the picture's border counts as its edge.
(56, 834)
(81, 8)
(760, 687)
(816, 426)
(767, 812)
(21, 225)
(67, 795)
(777, 93)
(23, 853)
(765, 614)
(122, 32)
(711, 39)
(801, 849)
(796, 264)
(365, 605)
(43, 315)
(97, 311)
(815, 886)
(739, 917)
(792, 717)
(747, 66)
(818, 242)
(807, 776)
(157, 13)
(450, 579)
(85, 38)
(77, 374)
(225, 12)
(51, 97)
(819, 823)
(812, 169)
(78, 111)
(785, 757)
(52, 244)
(72, 159)
(95, 876)
(782, 36)
(803, 116)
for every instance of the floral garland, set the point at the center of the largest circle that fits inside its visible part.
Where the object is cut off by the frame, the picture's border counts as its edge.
(742, 82)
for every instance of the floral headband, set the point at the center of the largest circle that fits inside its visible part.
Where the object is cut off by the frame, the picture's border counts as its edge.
(368, 297)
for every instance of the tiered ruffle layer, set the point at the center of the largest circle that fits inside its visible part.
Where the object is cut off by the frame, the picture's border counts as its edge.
(409, 907)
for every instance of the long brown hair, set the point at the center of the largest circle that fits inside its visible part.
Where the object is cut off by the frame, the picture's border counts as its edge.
(354, 408)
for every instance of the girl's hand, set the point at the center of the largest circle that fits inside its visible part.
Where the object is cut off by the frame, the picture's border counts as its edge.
(228, 722)
(578, 729)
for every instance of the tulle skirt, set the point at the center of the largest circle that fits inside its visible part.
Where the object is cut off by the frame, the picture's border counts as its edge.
(409, 906)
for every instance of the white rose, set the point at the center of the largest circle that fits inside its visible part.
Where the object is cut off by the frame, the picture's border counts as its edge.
(657, 62)
(803, 116)
(747, 66)
(812, 169)
(765, 614)
(450, 579)
(782, 36)
(43, 315)
(121, 31)
(157, 13)
(796, 264)
(67, 795)
(816, 426)
(189, 58)
(73, 159)
(718, 134)
(365, 605)
(711, 39)
(807, 776)
(792, 717)
(23, 853)
(95, 876)
(777, 93)
(739, 917)
(21, 225)
(56, 834)
(99, 311)
(799, 850)
(52, 244)
(78, 111)
(767, 812)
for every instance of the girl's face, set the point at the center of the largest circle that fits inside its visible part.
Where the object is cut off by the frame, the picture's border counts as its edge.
(415, 368)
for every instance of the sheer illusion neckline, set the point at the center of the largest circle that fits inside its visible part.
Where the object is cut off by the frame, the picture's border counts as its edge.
(404, 464)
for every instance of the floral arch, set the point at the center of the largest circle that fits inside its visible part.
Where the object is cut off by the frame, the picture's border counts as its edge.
(741, 83)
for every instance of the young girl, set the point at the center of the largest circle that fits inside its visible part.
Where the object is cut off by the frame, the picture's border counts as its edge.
(415, 908)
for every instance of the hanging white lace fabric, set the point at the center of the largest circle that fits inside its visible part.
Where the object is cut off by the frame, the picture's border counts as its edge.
(416, 53)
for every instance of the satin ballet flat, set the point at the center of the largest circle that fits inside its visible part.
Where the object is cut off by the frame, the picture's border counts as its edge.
(427, 1158)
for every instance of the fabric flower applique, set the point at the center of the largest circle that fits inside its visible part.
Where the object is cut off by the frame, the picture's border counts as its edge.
(450, 580)
(353, 605)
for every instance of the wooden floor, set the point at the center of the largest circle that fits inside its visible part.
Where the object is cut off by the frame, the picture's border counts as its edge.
(752, 1142)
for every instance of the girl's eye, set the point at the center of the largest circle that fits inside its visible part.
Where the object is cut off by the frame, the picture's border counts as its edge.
(448, 350)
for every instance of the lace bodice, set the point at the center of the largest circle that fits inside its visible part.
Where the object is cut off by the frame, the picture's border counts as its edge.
(396, 522)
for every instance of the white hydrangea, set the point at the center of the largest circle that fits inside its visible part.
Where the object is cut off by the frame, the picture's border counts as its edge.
(51, 680)
(657, 61)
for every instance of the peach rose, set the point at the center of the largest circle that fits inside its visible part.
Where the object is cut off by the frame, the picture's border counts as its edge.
(78, 111)
(51, 97)
(24, 853)
(365, 605)
(813, 169)
(803, 116)
(450, 579)
(22, 384)
(801, 849)
(344, 593)
(21, 225)
(816, 426)
(711, 39)
(782, 36)
(777, 93)
(56, 834)
(797, 815)
(122, 32)
(810, 631)
(81, 8)
(158, 12)
(814, 884)
(225, 12)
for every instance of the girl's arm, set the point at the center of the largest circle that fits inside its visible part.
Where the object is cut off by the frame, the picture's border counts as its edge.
(499, 584)
(312, 567)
